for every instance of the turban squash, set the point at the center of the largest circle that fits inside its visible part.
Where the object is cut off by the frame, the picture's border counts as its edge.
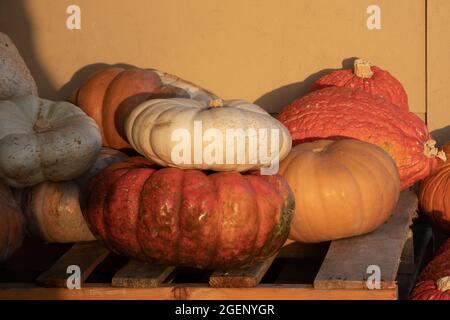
(45, 140)
(53, 209)
(110, 94)
(434, 195)
(152, 128)
(345, 113)
(189, 218)
(342, 188)
(371, 79)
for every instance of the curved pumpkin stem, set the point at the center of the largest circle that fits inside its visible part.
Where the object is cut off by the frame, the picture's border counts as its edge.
(362, 68)
(443, 284)
(215, 103)
(430, 150)
(41, 124)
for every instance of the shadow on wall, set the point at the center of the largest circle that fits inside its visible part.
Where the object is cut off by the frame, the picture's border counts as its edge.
(276, 99)
(441, 135)
(15, 22)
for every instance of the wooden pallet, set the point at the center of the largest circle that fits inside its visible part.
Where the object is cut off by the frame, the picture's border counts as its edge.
(336, 270)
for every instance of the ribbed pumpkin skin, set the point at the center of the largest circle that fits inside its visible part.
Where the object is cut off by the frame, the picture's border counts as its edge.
(187, 218)
(439, 268)
(381, 84)
(345, 113)
(342, 189)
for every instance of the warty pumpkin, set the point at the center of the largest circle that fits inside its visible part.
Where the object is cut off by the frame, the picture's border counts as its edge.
(434, 195)
(45, 140)
(12, 223)
(342, 188)
(53, 209)
(188, 218)
(333, 113)
(152, 126)
(371, 79)
(110, 94)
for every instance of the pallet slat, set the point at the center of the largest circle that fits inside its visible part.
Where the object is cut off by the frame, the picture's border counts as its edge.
(345, 265)
(141, 275)
(86, 255)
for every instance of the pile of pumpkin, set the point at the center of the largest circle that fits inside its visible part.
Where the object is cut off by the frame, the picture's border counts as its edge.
(356, 146)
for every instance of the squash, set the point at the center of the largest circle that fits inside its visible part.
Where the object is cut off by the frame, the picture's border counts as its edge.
(45, 140)
(342, 189)
(334, 113)
(110, 94)
(434, 280)
(188, 218)
(53, 209)
(152, 128)
(434, 196)
(12, 223)
(15, 78)
(369, 78)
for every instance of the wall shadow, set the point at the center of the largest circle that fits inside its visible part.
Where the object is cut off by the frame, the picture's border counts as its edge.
(282, 96)
(441, 135)
(15, 22)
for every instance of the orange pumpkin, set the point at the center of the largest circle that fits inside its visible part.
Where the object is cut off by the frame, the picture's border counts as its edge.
(110, 94)
(342, 188)
(434, 194)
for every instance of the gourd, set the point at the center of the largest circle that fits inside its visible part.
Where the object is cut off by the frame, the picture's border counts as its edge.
(15, 78)
(342, 188)
(434, 195)
(12, 223)
(187, 217)
(110, 94)
(372, 79)
(53, 209)
(173, 132)
(45, 140)
(335, 113)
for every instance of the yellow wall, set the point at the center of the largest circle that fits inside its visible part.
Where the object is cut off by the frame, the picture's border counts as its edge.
(439, 68)
(264, 50)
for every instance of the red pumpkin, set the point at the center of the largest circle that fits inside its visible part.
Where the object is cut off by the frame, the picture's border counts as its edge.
(434, 280)
(333, 112)
(369, 78)
(189, 218)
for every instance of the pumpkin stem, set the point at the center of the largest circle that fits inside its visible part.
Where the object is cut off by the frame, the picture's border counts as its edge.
(215, 103)
(443, 284)
(441, 155)
(361, 68)
(430, 150)
(41, 124)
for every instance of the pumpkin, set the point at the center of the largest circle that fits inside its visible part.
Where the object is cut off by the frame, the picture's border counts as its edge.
(342, 188)
(152, 126)
(12, 224)
(369, 78)
(53, 209)
(110, 94)
(333, 113)
(434, 195)
(45, 140)
(434, 280)
(187, 217)
(15, 78)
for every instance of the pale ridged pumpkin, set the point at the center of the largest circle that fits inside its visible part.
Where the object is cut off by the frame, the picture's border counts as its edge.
(53, 209)
(434, 195)
(333, 112)
(152, 126)
(12, 223)
(369, 78)
(342, 188)
(110, 94)
(45, 140)
(189, 218)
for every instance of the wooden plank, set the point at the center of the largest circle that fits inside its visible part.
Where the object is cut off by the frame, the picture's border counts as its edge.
(345, 265)
(85, 255)
(240, 278)
(407, 259)
(141, 275)
(192, 292)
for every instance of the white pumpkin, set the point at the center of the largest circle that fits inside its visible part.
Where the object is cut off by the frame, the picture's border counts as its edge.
(45, 140)
(193, 134)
